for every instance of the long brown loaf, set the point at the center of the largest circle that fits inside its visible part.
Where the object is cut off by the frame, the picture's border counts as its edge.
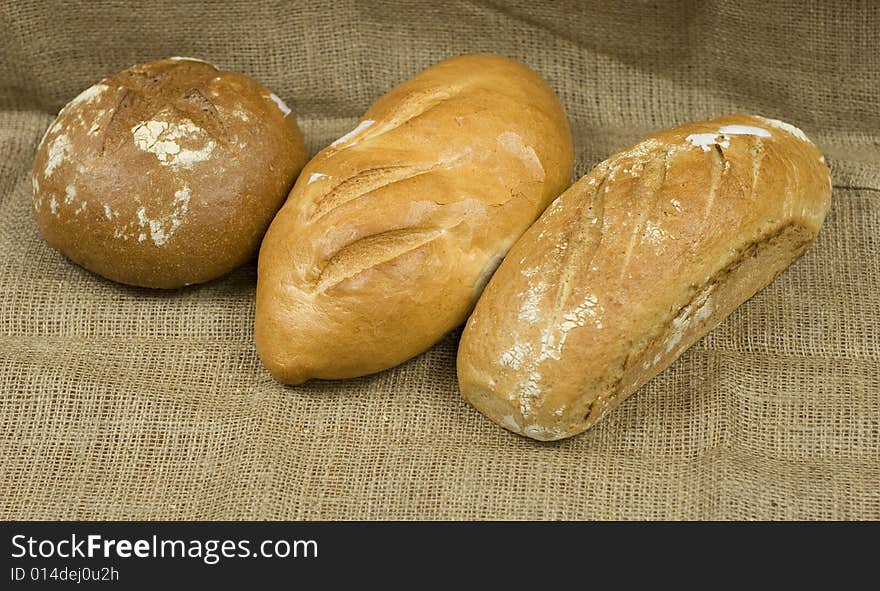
(633, 264)
(391, 232)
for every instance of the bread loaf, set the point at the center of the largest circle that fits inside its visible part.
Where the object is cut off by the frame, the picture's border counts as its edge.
(633, 264)
(165, 174)
(391, 232)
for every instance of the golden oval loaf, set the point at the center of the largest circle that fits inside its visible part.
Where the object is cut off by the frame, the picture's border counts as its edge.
(633, 264)
(391, 232)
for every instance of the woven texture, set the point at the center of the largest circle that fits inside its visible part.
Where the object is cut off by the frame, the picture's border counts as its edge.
(122, 403)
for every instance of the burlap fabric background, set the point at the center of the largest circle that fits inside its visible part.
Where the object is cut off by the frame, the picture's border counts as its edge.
(121, 403)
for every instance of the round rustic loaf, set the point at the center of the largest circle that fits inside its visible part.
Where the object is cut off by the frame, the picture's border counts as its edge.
(165, 174)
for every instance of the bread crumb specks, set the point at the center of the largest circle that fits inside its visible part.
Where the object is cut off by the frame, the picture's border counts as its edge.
(108, 213)
(53, 205)
(316, 176)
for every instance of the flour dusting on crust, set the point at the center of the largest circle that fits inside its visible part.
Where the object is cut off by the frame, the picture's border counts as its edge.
(705, 141)
(696, 311)
(788, 127)
(162, 138)
(743, 130)
(88, 95)
(59, 149)
(69, 194)
(178, 58)
(515, 356)
(530, 309)
(282, 106)
(161, 229)
(513, 143)
(363, 125)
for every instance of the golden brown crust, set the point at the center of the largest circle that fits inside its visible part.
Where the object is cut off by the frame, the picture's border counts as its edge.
(165, 174)
(634, 263)
(390, 232)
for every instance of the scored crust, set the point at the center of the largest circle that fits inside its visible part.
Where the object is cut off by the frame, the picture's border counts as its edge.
(165, 174)
(633, 264)
(391, 231)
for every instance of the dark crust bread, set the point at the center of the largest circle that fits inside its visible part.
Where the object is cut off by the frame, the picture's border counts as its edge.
(165, 174)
